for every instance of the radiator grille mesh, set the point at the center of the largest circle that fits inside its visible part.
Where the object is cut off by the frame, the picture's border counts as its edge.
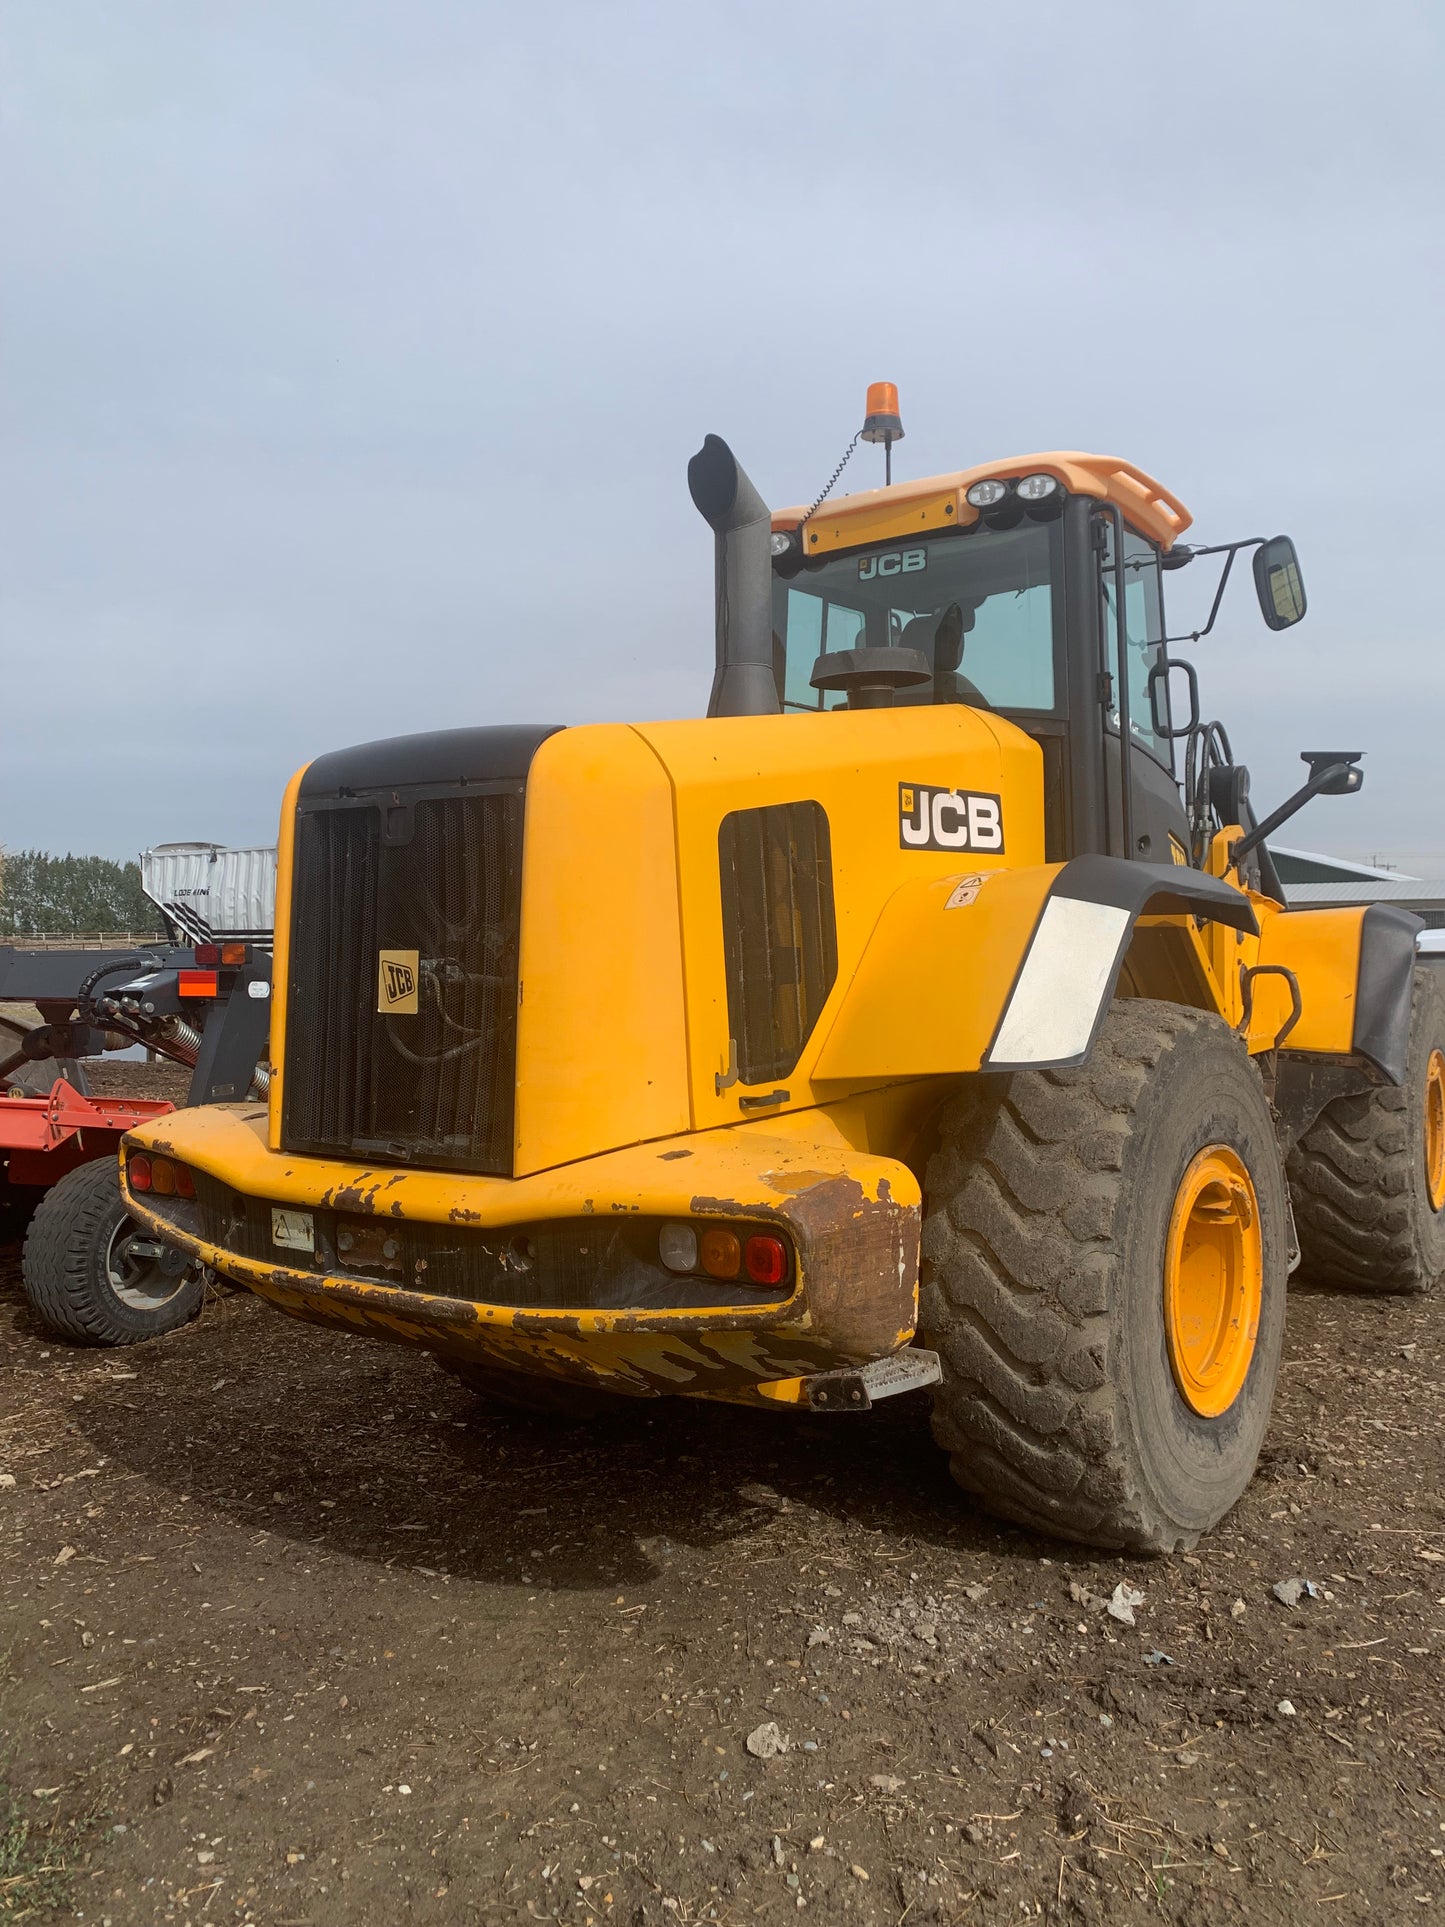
(439, 877)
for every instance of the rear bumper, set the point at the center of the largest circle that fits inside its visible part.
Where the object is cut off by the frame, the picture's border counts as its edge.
(852, 1220)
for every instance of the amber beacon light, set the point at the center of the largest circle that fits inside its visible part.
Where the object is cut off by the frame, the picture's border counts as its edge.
(882, 422)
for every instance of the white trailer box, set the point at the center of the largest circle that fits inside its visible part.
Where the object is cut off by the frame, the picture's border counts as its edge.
(206, 892)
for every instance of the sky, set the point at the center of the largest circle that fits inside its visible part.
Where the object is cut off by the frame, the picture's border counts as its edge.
(353, 355)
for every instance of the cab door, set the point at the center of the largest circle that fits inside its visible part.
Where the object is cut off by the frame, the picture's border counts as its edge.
(1153, 827)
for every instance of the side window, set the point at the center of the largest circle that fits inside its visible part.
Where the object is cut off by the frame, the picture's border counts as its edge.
(1144, 622)
(780, 939)
(816, 625)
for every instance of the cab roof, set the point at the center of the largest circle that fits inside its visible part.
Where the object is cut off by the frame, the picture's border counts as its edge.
(939, 501)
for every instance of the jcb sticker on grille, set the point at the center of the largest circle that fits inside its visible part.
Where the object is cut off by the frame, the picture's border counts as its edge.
(295, 1230)
(935, 819)
(898, 562)
(397, 972)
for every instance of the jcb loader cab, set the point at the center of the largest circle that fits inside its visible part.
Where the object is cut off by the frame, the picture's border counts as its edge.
(921, 1016)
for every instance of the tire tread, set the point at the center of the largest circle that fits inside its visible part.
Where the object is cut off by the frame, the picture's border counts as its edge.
(1018, 1249)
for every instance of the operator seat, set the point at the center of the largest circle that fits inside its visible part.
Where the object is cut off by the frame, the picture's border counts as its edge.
(940, 637)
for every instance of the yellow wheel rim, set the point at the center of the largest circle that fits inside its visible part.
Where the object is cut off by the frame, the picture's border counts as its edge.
(1435, 1129)
(1214, 1277)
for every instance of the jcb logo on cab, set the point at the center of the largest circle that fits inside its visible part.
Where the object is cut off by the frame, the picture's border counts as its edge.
(937, 819)
(896, 562)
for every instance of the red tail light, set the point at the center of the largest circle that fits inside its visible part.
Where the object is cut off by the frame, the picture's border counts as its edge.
(185, 1183)
(138, 1170)
(766, 1260)
(208, 953)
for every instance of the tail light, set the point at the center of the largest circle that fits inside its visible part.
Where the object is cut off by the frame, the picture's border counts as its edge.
(765, 1259)
(760, 1257)
(162, 1177)
(721, 1253)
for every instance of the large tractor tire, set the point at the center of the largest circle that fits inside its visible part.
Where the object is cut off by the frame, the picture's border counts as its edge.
(1368, 1178)
(1105, 1257)
(95, 1276)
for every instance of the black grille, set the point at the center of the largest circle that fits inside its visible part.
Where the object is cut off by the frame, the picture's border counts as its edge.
(420, 900)
(779, 932)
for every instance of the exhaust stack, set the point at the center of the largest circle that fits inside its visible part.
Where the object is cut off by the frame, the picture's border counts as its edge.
(741, 523)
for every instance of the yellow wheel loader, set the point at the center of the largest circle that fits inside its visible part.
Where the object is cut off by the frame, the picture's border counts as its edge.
(927, 1015)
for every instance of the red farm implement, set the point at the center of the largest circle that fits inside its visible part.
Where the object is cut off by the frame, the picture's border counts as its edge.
(92, 1274)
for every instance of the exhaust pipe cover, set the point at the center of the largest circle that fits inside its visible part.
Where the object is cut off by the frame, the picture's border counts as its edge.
(743, 684)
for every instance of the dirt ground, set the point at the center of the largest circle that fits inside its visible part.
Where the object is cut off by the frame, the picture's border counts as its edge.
(292, 1630)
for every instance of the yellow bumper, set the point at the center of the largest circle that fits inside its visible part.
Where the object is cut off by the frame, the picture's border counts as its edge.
(852, 1220)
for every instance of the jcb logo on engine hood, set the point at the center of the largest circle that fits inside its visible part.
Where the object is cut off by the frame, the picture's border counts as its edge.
(397, 972)
(896, 562)
(936, 819)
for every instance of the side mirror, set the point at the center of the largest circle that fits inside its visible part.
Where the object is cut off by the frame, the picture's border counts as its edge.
(1278, 582)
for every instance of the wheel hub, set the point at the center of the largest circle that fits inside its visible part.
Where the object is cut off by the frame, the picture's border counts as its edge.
(1435, 1130)
(1214, 1277)
(143, 1273)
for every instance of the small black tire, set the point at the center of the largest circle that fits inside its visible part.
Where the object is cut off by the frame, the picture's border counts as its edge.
(561, 1400)
(94, 1275)
(1048, 1206)
(1359, 1176)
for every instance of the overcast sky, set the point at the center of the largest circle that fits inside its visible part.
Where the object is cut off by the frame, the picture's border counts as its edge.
(353, 354)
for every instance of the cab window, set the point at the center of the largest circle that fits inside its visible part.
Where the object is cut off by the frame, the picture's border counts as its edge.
(1144, 624)
(981, 605)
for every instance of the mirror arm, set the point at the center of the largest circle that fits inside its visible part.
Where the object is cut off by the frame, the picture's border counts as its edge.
(1321, 779)
(1228, 550)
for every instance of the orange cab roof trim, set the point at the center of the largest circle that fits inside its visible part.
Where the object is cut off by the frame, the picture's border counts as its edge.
(937, 501)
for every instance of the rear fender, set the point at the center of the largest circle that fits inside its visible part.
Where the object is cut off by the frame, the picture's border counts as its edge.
(1355, 969)
(1010, 970)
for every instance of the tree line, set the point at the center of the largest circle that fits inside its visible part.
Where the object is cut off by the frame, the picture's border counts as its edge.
(58, 896)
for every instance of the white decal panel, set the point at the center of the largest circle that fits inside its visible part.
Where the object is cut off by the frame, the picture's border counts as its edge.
(1067, 974)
